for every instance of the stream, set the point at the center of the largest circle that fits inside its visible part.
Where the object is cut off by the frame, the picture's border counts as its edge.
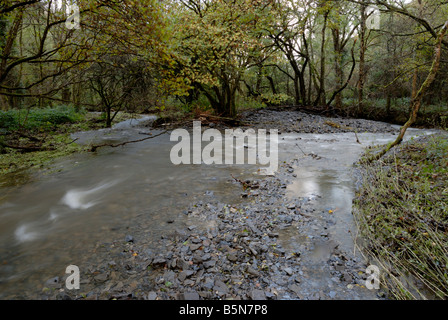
(63, 214)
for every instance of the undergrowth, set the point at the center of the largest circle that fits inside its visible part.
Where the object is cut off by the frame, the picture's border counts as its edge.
(402, 213)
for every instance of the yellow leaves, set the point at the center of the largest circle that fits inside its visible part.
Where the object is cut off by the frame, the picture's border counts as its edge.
(332, 124)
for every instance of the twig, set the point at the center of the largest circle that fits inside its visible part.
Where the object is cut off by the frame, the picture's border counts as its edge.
(301, 150)
(93, 148)
(244, 184)
(356, 135)
(313, 155)
(71, 141)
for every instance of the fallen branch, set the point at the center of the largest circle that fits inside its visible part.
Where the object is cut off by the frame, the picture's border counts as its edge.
(95, 147)
(244, 184)
(313, 155)
(25, 135)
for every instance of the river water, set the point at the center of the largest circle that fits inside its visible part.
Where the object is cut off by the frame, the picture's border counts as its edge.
(58, 216)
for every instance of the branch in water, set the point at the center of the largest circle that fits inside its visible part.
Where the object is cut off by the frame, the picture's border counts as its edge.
(93, 148)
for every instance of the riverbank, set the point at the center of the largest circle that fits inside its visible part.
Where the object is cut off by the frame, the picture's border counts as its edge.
(401, 209)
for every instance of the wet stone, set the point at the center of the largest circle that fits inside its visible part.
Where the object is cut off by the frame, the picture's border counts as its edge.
(288, 271)
(257, 295)
(53, 283)
(195, 246)
(191, 295)
(102, 277)
(206, 256)
(209, 264)
(220, 287)
(252, 271)
(184, 274)
(158, 262)
(232, 257)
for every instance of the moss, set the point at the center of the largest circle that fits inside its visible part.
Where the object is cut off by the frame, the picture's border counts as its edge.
(15, 161)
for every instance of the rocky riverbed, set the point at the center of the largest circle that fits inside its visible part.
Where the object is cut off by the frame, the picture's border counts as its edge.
(266, 245)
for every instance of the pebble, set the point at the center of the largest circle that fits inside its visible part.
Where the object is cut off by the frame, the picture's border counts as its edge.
(257, 294)
(152, 295)
(102, 277)
(53, 283)
(191, 295)
(288, 270)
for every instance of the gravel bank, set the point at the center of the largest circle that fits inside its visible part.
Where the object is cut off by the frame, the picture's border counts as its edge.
(296, 121)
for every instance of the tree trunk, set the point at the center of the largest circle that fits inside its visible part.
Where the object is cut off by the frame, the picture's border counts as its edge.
(302, 87)
(362, 52)
(388, 102)
(272, 84)
(338, 66)
(321, 93)
(296, 89)
(108, 118)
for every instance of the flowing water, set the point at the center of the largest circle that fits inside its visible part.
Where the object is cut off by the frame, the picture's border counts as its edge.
(56, 218)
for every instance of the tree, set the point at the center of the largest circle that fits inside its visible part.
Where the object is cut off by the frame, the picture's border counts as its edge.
(288, 33)
(53, 48)
(53, 56)
(342, 28)
(220, 40)
(113, 79)
(417, 99)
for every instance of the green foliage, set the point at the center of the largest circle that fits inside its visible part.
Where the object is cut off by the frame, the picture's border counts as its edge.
(215, 47)
(275, 99)
(250, 103)
(35, 118)
(201, 103)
